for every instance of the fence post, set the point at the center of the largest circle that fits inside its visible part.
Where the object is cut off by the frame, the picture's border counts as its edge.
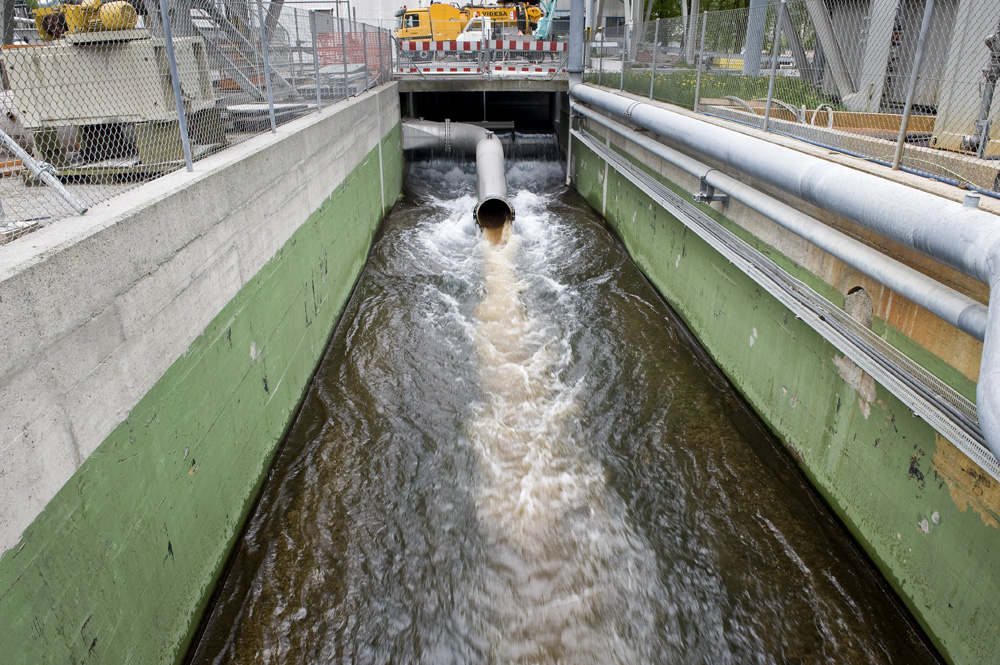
(621, 83)
(343, 49)
(701, 58)
(298, 42)
(182, 125)
(925, 23)
(364, 52)
(315, 38)
(267, 66)
(656, 47)
(775, 50)
(381, 71)
(600, 65)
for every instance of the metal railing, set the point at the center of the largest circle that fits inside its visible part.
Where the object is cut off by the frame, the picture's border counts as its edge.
(99, 98)
(905, 83)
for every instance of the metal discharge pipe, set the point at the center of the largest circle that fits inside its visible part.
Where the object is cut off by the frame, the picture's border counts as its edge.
(493, 209)
(965, 239)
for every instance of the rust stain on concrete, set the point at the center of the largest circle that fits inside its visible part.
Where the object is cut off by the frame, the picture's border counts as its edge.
(970, 486)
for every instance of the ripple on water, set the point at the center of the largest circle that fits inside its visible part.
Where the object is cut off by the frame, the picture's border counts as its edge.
(513, 454)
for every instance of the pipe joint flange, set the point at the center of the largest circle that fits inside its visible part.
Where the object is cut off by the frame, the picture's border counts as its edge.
(628, 111)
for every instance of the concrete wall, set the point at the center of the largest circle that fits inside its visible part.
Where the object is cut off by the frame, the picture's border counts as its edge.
(154, 352)
(925, 513)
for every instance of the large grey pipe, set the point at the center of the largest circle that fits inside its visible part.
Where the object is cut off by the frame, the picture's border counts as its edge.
(956, 308)
(493, 209)
(964, 238)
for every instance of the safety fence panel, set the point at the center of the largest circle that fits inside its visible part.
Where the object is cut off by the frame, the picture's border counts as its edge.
(91, 92)
(907, 84)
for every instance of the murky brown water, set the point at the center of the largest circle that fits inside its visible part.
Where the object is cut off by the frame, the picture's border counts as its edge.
(513, 454)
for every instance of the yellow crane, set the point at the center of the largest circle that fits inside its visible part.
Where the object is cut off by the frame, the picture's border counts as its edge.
(444, 22)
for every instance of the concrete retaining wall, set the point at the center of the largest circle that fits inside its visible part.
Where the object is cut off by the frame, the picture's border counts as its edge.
(926, 514)
(154, 352)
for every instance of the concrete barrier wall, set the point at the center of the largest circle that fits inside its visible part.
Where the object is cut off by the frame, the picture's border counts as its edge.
(153, 353)
(925, 513)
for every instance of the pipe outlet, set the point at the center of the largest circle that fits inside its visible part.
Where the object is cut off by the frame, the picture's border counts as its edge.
(493, 209)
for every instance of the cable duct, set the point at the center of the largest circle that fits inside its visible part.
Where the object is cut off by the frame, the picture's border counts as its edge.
(493, 209)
(963, 238)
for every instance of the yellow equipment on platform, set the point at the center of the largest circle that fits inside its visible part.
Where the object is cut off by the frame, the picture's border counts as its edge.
(55, 20)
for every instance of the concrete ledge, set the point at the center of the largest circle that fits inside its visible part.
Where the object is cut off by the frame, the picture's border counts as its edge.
(98, 307)
(163, 347)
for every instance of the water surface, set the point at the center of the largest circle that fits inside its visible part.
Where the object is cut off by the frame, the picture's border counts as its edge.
(515, 454)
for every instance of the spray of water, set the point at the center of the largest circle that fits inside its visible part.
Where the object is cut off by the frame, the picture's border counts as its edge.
(568, 579)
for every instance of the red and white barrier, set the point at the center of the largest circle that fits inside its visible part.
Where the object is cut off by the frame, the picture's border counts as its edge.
(439, 46)
(439, 70)
(514, 45)
(493, 44)
(518, 69)
(498, 69)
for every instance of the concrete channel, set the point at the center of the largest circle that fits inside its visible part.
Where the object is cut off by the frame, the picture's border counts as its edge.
(156, 350)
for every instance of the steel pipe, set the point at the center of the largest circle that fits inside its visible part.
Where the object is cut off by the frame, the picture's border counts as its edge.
(493, 208)
(956, 308)
(965, 239)
(42, 171)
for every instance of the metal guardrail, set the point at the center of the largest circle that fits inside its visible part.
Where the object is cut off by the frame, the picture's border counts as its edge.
(906, 84)
(98, 99)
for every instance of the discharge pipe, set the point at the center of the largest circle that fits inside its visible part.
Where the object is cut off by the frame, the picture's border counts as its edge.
(963, 238)
(493, 209)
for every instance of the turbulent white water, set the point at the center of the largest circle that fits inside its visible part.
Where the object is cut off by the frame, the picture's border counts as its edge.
(510, 455)
(569, 580)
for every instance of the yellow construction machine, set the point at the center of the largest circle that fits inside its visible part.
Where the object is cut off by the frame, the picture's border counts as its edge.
(444, 22)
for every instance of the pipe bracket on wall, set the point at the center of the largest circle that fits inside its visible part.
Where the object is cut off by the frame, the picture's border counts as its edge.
(706, 194)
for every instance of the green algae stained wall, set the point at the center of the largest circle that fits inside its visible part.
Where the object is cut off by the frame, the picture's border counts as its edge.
(924, 513)
(120, 565)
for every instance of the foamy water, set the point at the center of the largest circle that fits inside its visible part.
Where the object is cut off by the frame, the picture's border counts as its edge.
(511, 454)
(568, 578)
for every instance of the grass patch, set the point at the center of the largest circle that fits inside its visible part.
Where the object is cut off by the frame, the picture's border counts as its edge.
(677, 86)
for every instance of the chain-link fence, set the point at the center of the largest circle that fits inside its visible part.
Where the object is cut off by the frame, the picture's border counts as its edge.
(907, 83)
(102, 96)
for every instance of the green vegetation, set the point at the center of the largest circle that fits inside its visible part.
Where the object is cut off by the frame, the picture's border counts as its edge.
(677, 86)
(669, 8)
